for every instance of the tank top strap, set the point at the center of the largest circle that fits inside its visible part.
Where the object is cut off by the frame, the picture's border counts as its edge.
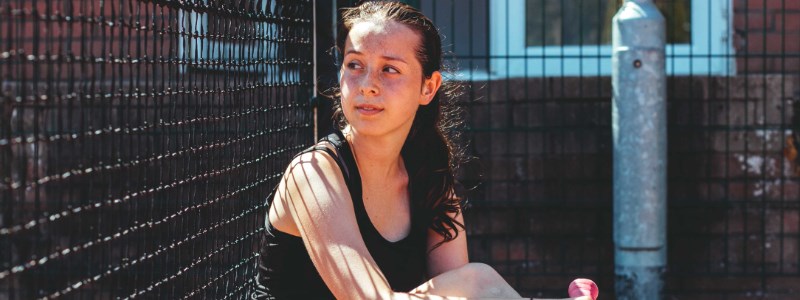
(339, 152)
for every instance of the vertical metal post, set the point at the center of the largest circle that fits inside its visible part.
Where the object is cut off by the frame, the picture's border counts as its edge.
(316, 78)
(640, 137)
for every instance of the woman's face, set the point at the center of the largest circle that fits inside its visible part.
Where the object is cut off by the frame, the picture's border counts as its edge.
(381, 79)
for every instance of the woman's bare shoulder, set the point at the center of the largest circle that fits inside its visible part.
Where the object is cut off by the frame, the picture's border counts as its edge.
(312, 179)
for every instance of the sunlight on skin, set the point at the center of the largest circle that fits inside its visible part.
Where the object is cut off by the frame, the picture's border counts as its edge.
(316, 201)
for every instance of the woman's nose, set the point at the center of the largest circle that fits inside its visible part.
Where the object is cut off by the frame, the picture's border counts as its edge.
(370, 85)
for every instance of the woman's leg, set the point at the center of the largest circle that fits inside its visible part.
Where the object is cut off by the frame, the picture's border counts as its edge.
(477, 280)
(472, 280)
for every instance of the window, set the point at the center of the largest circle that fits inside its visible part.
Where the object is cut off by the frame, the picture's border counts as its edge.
(213, 41)
(573, 37)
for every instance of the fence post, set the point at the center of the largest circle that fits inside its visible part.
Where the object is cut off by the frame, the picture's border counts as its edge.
(640, 137)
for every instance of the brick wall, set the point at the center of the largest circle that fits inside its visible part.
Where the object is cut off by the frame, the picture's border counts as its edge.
(542, 213)
(767, 36)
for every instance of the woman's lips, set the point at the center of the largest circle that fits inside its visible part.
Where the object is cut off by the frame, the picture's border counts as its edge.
(368, 110)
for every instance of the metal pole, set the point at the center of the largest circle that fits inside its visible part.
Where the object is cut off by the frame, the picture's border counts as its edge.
(640, 137)
(316, 80)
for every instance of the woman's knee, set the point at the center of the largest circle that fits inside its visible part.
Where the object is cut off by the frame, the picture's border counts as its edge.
(487, 281)
(471, 280)
(481, 274)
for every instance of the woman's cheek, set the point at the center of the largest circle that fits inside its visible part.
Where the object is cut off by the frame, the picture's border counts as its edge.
(346, 87)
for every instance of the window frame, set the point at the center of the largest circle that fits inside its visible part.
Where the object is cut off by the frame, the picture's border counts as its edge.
(710, 53)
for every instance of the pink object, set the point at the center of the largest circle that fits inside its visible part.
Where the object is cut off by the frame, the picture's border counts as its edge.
(583, 287)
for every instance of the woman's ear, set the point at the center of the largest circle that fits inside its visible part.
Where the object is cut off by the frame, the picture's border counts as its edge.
(429, 88)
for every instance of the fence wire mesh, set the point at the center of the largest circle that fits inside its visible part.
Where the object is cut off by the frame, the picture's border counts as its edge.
(139, 140)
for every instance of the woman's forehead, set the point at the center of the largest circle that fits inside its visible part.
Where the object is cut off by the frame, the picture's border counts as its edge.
(385, 37)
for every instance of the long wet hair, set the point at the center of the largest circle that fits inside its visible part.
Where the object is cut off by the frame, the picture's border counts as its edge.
(432, 150)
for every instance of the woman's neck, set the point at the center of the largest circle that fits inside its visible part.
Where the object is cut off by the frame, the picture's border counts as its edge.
(378, 158)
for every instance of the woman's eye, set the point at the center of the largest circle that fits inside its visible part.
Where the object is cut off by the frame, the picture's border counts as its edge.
(353, 65)
(391, 70)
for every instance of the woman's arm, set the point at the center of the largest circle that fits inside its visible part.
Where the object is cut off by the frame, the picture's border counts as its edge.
(450, 255)
(314, 193)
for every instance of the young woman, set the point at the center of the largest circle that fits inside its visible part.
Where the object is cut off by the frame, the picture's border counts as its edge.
(370, 212)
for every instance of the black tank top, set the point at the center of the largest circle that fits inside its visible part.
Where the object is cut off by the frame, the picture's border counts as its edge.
(285, 270)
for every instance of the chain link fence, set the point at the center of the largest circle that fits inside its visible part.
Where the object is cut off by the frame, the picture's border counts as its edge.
(140, 139)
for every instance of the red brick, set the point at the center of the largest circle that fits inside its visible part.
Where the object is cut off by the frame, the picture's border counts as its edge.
(787, 22)
(774, 65)
(791, 221)
(751, 66)
(517, 249)
(748, 21)
(772, 42)
(500, 250)
(768, 4)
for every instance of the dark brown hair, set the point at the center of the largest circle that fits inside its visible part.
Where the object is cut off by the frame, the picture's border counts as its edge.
(432, 151)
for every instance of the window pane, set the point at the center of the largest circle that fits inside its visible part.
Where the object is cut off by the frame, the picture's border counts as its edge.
(679, 20)
(588, 22)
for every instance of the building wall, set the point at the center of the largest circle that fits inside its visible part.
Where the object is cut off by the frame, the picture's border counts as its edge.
(541, 212)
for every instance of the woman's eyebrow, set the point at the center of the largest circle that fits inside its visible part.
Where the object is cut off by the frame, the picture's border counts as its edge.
(383, 56)
(394, 59)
